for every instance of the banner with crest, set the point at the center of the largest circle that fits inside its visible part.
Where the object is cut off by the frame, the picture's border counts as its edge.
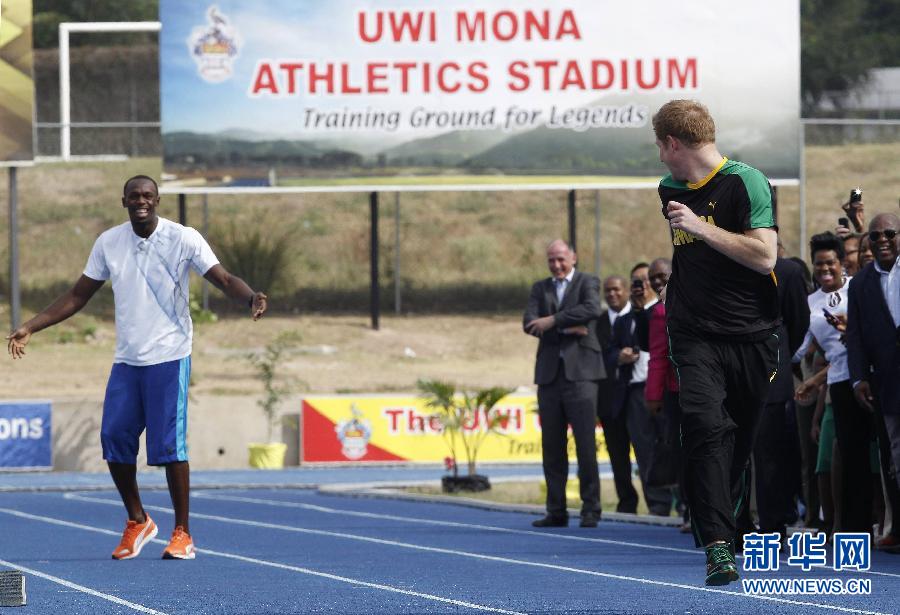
(386, 428)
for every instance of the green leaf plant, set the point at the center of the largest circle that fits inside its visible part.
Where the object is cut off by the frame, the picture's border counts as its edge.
(459, 412)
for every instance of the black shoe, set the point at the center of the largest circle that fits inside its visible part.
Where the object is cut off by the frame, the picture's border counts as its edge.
(551, 521)
(589, 520)
(626, 508)
(720, 566)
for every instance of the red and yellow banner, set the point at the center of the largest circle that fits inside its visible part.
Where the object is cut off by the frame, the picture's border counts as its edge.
(398, 428)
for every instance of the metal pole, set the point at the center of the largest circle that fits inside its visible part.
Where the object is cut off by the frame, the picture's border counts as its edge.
(801, 251)
(397, 253)
(374, 294)
(182, 209)
(132, 100)
(205, 285)
(14, 297)
(597, 233)
(572, 232)
(65, 112)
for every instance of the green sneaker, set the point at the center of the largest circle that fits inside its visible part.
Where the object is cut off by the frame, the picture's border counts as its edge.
(720, 566)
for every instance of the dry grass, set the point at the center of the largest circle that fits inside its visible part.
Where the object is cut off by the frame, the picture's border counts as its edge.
(451, 241)
(471, 351)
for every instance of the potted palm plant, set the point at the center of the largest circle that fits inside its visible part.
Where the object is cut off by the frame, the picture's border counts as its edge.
(270, 454)
(458, 412)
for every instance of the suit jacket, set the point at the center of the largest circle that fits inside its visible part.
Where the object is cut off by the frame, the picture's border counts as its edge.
(607, 385)
(580, 306)
(794, 306)
(626, 333)
(873, 353)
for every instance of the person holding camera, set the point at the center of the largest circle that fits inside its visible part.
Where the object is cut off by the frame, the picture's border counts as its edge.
(631, 346)
(856, 216)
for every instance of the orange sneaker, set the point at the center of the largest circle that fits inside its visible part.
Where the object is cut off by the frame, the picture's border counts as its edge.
(134, 538)
(181, 546)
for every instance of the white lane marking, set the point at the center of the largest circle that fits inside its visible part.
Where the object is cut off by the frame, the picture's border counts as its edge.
(307, 571)
(81, 588)
(480, 556)
(491, 528)
(476, 526)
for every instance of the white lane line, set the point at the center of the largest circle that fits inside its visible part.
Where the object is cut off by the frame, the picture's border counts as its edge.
(306, 571)
(81, 588)
(475, 526)
(479, 556)
(491, 528)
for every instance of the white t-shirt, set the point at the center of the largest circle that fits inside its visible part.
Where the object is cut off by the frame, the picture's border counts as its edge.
(150, 283)
(827, 336)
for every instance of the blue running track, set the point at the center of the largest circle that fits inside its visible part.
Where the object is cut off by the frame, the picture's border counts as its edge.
(309, 550)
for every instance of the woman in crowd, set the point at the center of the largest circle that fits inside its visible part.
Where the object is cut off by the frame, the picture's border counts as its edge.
(853, 428)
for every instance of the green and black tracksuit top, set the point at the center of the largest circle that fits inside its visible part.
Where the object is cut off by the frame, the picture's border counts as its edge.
(709, 294)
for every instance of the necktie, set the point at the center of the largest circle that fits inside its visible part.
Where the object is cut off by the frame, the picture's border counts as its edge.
(560, 289)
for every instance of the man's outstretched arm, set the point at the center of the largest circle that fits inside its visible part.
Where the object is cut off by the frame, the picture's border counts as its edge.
(65, 306)
(235, 288)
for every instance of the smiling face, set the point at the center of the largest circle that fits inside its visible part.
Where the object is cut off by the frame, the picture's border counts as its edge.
(560, 259)
(614, 293)
(827, 270)
(884, 249)
(141, 200)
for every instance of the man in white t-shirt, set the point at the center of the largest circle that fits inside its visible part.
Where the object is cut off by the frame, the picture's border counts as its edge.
(147, 261)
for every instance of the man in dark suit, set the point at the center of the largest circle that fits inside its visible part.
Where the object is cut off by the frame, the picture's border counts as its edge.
(775, 443)
(873, 348)
(563, 311)
(615, 430)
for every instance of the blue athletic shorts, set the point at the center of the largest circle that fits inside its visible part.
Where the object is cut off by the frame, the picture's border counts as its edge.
(153, 397)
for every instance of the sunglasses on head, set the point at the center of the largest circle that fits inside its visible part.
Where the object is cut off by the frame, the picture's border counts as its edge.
(888, 233)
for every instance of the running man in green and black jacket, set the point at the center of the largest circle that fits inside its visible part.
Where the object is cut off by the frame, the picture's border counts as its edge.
(722, 314)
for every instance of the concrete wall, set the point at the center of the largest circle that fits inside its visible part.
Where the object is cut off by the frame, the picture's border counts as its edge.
(219, 429)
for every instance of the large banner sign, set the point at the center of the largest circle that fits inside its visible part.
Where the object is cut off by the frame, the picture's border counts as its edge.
(309, 92)
(385, 428)
(25, 435)
(16, 83)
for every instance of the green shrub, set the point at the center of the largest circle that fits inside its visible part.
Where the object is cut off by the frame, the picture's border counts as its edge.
(260, 255)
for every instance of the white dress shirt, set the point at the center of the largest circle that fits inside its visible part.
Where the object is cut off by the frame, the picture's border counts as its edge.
(890, 286)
